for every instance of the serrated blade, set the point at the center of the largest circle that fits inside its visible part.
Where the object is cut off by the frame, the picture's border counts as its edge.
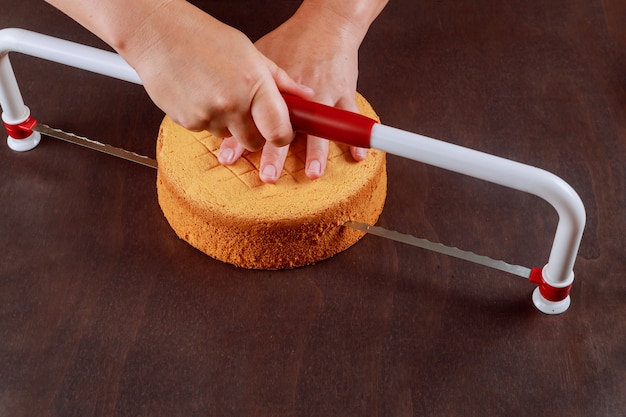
(95, 145)
(518, 270)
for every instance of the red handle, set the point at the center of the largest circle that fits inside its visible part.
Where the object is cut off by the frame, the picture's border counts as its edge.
(329, 122)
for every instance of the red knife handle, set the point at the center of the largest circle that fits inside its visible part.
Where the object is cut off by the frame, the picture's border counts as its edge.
(329, 122)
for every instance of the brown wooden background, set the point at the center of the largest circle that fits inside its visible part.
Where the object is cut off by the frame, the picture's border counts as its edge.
(104, 312)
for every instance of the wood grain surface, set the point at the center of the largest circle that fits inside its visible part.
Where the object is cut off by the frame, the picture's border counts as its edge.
(105, 312)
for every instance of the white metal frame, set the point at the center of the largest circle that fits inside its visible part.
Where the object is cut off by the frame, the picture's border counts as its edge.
(556, 274)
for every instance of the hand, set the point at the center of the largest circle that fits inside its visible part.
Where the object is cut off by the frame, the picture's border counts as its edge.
(209, 76)
(322, 56)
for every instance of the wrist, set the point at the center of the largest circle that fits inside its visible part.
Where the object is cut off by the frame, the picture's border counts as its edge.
(348, 22)
(141, 28)
(161, 30)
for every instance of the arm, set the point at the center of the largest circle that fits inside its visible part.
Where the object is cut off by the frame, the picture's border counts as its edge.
(351, 17)
(201, 72)
(318, 46)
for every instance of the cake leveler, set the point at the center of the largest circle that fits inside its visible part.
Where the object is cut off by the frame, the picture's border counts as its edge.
(554, 280)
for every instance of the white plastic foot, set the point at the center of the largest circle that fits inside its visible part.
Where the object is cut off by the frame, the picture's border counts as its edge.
(550, 307)
(26, 144)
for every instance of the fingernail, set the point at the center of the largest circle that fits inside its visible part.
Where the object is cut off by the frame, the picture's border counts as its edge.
(360, 154)
(226, 156)
(314, 168)
(268, 173)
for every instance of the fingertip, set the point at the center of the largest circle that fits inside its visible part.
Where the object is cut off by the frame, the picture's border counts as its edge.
(314, 169)
(226, 156)
(272, 162)
(269, 174)
(230, 150)
(316, 156)
(359, 154)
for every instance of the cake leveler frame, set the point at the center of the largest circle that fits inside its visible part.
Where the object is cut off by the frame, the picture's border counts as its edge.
(554, 280)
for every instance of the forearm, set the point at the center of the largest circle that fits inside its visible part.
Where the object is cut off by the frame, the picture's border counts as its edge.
(351, 18)
(129, 26)
(114, 21)
(203, 73)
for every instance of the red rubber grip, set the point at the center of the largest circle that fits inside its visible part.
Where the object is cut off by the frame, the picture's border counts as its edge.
(329, 122)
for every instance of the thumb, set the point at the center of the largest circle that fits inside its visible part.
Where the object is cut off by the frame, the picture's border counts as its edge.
(271, 116)
(268, 109)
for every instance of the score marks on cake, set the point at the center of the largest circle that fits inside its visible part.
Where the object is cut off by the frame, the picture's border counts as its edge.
(246, 169)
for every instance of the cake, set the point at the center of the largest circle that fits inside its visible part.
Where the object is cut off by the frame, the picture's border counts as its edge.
(228, 213)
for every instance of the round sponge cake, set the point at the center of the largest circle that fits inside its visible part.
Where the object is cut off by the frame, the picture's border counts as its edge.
(228, 213)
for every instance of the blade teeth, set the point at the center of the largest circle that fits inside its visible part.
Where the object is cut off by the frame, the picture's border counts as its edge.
(47, 128)
(441, 248)
(90, 143)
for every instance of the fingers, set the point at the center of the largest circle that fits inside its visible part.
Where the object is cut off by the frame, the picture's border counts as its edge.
(269, 125)
(268, 109)
(230, 151)
(317, 148)
(272, 162)
(272, 158)
(317, 152)
(245, 130)
(271, 117)
(316, 157)
(268, 117)
(358, 154)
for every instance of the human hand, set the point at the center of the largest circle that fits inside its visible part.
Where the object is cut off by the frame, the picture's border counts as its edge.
(322, 56)
(209, 76)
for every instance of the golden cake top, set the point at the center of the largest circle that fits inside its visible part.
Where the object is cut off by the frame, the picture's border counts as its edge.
(189, 161)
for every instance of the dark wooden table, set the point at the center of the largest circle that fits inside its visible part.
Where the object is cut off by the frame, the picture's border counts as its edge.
(105, 312)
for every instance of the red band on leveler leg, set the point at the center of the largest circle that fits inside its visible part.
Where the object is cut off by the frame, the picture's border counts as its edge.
(21, 130)
(547, 291)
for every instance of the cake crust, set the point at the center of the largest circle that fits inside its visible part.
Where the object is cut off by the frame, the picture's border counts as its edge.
(228, 213)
